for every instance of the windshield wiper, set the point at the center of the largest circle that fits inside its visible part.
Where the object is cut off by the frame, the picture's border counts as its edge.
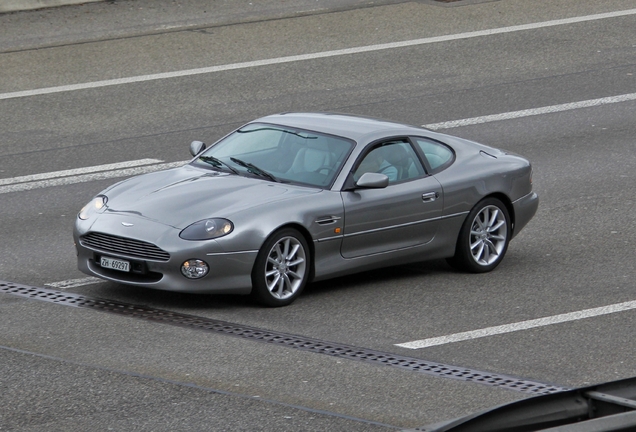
(217, 163)
(254, 169)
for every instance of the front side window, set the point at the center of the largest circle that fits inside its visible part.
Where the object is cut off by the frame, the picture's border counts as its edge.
(280, 153)
(397, 160)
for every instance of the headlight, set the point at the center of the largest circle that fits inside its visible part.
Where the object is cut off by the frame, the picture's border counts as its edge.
(207, 229)
(96, 204)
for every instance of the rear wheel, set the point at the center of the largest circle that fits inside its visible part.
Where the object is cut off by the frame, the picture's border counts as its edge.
(281, 269)
(484, 237)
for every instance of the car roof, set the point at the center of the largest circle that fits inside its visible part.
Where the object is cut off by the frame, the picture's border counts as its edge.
(344, 125)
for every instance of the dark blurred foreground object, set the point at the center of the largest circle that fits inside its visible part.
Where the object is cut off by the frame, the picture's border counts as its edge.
(599, 408)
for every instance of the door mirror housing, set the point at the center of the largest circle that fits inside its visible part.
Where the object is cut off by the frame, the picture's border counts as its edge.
(371, 180)
(196, 147)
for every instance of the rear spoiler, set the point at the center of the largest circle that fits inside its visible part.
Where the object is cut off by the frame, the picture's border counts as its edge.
(599, 408)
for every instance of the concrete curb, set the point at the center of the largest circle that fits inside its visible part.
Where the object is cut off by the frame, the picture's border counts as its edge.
(20, 5)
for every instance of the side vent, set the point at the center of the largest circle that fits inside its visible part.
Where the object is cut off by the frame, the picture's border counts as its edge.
(327, 220)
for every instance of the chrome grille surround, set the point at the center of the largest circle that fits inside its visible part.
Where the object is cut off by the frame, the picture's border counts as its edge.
(116, 245)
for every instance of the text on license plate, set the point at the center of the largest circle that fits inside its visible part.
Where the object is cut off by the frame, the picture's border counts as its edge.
(115, 264)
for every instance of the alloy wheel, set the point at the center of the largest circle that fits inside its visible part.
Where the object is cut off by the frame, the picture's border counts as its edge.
(488, 235)
(285, 267)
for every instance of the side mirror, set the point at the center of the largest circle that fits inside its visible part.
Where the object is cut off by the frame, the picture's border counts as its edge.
(371, 180)
(196, 147)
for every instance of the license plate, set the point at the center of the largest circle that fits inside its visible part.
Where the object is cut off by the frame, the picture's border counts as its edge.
(115, 264)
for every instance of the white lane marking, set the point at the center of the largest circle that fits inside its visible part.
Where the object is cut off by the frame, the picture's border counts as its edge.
(319, 55)
(73, 283)
(78, 171)
(60, 178)
(532, 112)
(20, 187)
(522, 325)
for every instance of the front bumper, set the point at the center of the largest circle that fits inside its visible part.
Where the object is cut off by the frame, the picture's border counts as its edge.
(230, 272)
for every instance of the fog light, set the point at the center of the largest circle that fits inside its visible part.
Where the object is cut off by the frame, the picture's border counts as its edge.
(194, 269)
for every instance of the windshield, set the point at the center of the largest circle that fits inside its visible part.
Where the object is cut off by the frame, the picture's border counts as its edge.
(281, 154)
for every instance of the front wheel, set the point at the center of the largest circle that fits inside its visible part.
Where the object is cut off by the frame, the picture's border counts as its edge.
(484, 237)
(281, 269)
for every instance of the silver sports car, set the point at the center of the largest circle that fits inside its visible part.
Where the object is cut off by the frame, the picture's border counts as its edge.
(293, 198)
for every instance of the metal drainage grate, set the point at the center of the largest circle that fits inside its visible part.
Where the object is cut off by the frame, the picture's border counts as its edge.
(285, 339)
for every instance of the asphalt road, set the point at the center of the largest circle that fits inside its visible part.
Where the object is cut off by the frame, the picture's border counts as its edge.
(69, 368)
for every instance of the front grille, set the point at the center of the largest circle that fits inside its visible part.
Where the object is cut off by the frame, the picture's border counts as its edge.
(123, 246)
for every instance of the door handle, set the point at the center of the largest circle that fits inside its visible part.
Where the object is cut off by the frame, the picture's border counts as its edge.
(430, 196)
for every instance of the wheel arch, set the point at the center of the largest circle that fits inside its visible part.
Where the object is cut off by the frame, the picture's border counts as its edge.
(310, 243)
(508, 203)
(464, 259)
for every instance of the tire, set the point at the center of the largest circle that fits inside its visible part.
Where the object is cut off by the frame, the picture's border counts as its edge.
(281, 270)
(484, 237)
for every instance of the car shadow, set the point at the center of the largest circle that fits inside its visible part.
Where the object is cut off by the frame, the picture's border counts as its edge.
(227, 302)
(388, 274)
(171, 300)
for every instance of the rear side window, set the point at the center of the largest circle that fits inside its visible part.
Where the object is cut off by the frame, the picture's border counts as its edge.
(438, 155)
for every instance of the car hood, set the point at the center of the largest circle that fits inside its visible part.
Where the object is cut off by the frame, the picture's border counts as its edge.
(181, 196)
